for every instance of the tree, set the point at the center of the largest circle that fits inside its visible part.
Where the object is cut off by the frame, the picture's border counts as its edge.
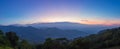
(1, 38)
(39, 46)
(24, 45)
(1, 32)
(13, 39)
(59, 43)
(48, 44)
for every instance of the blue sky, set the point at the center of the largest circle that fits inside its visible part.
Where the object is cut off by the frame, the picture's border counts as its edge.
(105, 12)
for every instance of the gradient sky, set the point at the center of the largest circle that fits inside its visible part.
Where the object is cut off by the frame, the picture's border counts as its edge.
(106, 12)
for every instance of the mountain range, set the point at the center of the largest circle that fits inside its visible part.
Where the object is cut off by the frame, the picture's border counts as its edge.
(39, 35)
(93, 28)
(38, 32)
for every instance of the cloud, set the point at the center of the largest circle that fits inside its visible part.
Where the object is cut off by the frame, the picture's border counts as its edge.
(85, 20)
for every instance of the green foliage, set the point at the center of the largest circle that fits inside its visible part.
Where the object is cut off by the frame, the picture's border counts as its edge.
(24, 45)
(10, 40)
(13, 39)
(1, 38)
(6, 48)
(60, 43)
(1, 32)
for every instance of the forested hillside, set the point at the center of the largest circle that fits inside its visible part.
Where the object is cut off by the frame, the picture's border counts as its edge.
(105, 39)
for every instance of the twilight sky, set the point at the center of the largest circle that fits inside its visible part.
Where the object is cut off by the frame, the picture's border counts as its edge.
(106, 12)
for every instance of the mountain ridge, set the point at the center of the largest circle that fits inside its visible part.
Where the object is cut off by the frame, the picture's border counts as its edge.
(93, 28)
(36, 35)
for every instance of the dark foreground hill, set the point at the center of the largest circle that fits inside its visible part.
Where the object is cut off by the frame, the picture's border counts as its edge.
(104, 39)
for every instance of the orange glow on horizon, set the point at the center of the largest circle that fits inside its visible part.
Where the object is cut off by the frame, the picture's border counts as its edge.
(107, 23)
(69, 16)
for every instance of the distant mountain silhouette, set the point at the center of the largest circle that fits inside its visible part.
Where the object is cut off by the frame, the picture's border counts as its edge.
(70, 25)
(36, 35)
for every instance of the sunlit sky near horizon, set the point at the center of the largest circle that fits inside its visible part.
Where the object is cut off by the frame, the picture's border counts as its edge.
(106, 12)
